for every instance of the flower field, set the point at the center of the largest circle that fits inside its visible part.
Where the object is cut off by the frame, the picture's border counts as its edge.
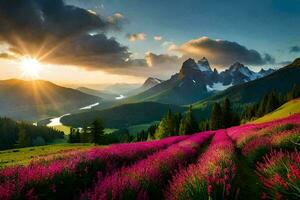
(222, 164)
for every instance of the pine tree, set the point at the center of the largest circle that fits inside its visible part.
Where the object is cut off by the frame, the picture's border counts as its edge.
(191, 123)
(272, 103)
(71, 136)
(171, 123)
(294, 93)
(166, 126)
(97, 131)
(163, 129)
(177, 120)
(188, 124)
(182, 127)
(204, 125)
(262, 106)
(23, 140)
(216, 117)
(227, 114)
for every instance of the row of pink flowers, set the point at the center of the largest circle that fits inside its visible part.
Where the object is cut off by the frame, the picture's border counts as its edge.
(284, 139)
(279, 173)
(244, 133)
(211, 177)
(147, 178)
(63, 176)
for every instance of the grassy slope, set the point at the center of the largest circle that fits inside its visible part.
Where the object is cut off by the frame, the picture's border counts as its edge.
(290, 108)
(24, 155)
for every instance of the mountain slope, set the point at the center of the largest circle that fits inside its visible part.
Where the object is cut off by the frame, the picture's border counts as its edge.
(103, 95)
(122, 116)
(30, 100)
(151, 82)
(148, 84)
(289, 108)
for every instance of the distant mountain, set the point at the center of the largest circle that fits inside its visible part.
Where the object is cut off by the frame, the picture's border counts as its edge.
(238, 74)
(281, 80)
(197, 81)
(151, 82)
(31, 100)
(102, 94)
(122, 116)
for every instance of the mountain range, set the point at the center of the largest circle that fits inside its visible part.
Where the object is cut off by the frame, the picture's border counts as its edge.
(281, 80)
(196, 81)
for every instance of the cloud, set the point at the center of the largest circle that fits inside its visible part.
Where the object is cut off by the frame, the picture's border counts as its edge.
(294, 49)
(116, 20)
(157, 38)
(159, 60)
(222, 52)
(59, 33)
(136, 37)
(156, 65)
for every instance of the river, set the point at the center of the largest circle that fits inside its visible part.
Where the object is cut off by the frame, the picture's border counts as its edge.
(56, 121)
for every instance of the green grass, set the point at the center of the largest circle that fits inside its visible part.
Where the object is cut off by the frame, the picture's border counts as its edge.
(23, 156)
(63, 128)
(289, 108)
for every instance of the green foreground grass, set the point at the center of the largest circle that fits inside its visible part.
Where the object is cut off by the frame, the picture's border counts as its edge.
(23, 156)
(289, 108)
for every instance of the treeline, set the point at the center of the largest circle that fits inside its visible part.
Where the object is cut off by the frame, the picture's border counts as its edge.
(89, 134)
(222, 116)
(269, 103)
(145, 135)
(176, 124)
(94, 133)
(14, 134)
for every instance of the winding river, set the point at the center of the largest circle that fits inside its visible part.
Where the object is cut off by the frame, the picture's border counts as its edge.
(56, 121)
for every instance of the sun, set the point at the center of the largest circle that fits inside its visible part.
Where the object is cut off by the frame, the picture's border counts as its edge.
(30, 67)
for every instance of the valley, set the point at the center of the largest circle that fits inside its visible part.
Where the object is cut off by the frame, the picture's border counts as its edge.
(149, 100)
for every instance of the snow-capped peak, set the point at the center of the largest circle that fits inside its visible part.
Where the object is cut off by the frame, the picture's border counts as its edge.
(203, 65)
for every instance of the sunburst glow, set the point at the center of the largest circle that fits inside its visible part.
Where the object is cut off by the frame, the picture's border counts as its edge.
(30, 67)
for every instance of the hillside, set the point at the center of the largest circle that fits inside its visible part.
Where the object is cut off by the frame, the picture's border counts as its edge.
(103, 95)
(31, 100)
(122, 116)
(289, 108)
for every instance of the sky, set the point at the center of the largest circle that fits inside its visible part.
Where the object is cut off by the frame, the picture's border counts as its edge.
(118, 41)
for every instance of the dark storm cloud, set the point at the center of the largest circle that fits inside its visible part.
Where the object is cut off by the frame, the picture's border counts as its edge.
(223, 52)
(61, 33)
(294, 49)
(93, 52)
